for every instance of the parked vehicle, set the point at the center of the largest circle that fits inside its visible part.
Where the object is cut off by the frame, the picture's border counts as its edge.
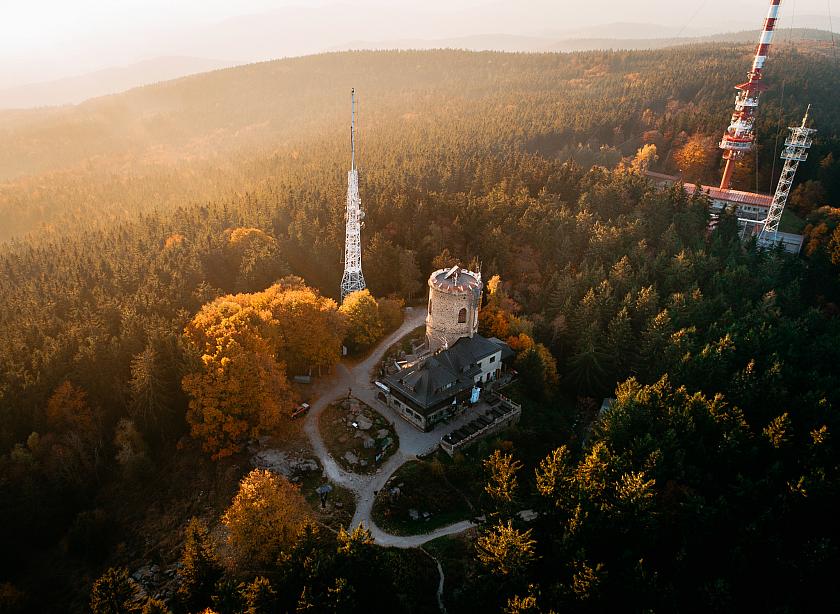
(300, 410)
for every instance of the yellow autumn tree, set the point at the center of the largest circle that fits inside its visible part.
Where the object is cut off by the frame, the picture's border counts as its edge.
(696, 158)
(364, 325)
(264, 519)
(645, 158)
(241, 390)
(305, 327)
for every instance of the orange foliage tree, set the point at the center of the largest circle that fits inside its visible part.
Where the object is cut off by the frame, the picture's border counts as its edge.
(304, 327)
(240, 389)
(68, 410)
(697, 157)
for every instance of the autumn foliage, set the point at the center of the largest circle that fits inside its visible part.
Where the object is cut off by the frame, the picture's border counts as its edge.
(243, 345)
(697, 157)
(364, 324)
(264, 519)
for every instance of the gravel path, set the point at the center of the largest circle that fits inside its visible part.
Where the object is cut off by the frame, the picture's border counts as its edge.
(412, 441)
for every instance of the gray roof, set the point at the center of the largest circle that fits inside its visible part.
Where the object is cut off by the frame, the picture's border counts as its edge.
(468, 351)
(443, 375)
(506, 351)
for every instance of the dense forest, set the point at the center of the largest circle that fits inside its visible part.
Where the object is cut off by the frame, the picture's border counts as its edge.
(136, 223)
(426, 116)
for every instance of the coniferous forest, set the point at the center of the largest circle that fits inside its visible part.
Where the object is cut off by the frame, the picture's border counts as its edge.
(171, 258)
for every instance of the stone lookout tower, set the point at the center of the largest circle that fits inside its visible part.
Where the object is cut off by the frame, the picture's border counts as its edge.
(454, 300)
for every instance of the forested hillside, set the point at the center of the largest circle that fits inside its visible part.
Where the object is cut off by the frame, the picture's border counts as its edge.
(214, 135)
(162, 220)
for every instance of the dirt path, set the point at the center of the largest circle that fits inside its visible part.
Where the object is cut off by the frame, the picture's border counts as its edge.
(412, 442)
(441, 606)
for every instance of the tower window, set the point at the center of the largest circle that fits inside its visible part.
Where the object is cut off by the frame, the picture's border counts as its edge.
(462, 316)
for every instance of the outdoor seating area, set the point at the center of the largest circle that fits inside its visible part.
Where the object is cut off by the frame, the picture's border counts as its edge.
(495, 414)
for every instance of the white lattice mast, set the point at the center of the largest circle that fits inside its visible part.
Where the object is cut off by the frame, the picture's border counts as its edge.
(738, 139)
(353, 279)
(795, 151)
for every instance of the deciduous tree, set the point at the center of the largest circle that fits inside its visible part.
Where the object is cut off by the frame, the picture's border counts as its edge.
(364, 325)
(263, 520)
(240, 390)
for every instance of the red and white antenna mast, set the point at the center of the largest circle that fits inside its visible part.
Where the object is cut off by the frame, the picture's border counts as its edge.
(740, 136)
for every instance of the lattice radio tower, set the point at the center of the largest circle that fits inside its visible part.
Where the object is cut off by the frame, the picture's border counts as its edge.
(795, 151)
(738, 139)
(353, 278)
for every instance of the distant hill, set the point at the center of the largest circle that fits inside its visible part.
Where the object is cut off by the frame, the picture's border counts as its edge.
(73, 90)
(616, 36)
(796, 35)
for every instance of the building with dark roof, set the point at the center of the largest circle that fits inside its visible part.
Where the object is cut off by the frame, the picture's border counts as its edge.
(434, 389)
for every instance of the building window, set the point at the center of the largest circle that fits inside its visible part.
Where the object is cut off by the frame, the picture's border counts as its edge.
(492, 359)
(430, 306)
(462, 316)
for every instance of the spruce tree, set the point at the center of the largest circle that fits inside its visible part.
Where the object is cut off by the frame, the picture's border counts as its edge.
(115, 592)
(200, 570)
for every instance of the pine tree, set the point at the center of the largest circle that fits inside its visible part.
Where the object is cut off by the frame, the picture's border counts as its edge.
(199, 569)
(149, 398)
(621, 344)
(506, 551)
(155, 606)
(259, 596)
(115, 592)
(502, 483)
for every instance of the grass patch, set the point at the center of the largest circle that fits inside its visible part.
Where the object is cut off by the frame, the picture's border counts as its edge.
(437, 486)
(340, 507)
(347, 444)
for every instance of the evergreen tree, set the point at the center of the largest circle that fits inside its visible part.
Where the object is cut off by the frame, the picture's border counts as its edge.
(199, 569)
(259, 596)
(149, 395)
(115, 593)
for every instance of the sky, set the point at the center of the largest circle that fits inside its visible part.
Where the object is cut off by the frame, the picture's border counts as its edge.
(47, 39)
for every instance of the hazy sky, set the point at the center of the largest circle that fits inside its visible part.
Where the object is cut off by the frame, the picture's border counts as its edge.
(42, 39)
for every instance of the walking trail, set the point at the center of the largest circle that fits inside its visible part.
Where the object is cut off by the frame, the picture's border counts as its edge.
(412, 441)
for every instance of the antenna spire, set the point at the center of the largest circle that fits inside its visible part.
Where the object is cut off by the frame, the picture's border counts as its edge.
(353, 279)
(352, 126)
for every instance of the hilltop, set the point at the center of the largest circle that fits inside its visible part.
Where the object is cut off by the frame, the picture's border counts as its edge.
(174, 253)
